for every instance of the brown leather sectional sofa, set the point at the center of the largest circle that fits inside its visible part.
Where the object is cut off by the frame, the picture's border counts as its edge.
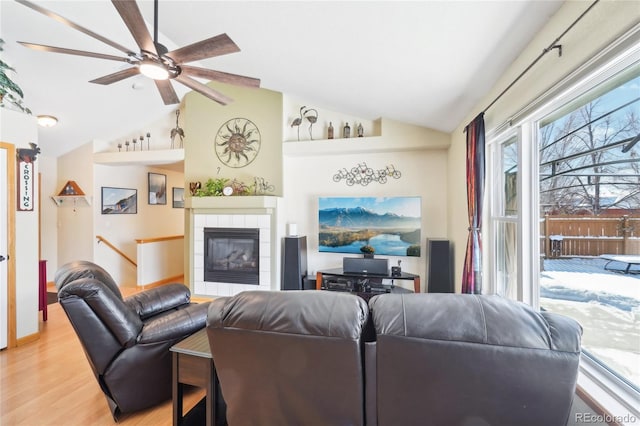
(328, 358)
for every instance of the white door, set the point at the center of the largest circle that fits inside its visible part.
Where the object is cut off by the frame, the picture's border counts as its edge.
(4, 248)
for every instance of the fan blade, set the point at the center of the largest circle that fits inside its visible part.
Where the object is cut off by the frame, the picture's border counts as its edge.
(224, 77)
(130, 14)
(117, 76)
(203, 89)
(54, 49)
(165, 88)
(75, 26)
(214, 46)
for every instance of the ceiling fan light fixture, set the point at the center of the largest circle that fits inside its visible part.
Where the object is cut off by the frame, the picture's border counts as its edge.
(47, 120)
(153, 70)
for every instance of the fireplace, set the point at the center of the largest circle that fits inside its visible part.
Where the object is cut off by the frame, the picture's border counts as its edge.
(235, 214)
(232, 255)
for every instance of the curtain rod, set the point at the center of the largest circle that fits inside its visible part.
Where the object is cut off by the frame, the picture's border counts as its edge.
(552, 46)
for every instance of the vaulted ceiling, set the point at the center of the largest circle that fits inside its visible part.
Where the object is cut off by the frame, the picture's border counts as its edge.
(421, 62)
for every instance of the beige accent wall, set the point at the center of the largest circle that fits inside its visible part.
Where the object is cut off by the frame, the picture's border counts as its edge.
(202, 120)
(600, 27)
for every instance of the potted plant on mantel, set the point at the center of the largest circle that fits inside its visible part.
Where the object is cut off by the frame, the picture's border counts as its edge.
(10, 92)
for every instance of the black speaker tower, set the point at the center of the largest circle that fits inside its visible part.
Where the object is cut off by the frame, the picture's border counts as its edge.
(439, 266)
(294, 263)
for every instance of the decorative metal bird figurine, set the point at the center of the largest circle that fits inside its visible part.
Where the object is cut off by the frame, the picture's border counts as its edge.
(177, 132)
(298, 121)
(312, 119)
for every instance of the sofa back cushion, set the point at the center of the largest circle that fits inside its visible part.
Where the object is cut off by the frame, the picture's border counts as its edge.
(104, 325)
(71, 271)
(291, 357)
(452, 359)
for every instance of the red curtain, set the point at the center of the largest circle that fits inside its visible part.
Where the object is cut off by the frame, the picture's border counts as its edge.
(472, 273)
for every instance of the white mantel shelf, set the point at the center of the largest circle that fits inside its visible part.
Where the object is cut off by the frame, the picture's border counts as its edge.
(131, 158)
(232, 202)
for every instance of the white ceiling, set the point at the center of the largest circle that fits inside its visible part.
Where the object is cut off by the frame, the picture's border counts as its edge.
(421, 62)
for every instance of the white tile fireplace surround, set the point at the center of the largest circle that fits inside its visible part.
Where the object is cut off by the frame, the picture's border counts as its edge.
(256, 212)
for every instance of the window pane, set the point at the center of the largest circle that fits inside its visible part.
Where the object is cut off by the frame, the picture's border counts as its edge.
(590, 196)
(509, 151)
(506, 259)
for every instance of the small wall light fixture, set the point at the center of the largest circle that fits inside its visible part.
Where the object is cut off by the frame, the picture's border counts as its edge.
(47, 120)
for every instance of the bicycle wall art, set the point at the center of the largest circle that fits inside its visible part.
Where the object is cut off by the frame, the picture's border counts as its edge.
(364, 175)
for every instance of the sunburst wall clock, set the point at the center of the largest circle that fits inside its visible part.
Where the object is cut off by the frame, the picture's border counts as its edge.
(237, 142)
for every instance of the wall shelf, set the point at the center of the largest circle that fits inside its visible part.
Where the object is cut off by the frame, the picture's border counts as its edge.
(382, 140)
(71, 200)
(367, 144)
(136, 158)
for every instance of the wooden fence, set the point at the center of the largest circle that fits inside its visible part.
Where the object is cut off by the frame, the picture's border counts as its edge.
(564, 235)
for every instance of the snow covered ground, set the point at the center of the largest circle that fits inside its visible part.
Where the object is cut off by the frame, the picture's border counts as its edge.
(606, 304)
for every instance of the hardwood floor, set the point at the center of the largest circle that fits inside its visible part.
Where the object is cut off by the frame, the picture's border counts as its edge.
(50, 382)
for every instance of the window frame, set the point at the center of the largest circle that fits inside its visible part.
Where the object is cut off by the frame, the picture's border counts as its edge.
(613, 393)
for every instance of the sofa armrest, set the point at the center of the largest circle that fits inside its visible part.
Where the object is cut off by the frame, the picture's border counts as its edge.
(160, 299)
(175, 325)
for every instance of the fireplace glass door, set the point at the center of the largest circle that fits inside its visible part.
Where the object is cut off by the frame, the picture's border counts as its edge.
(232, 255)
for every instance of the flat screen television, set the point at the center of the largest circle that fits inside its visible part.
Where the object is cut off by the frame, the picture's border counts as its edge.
(385, 225)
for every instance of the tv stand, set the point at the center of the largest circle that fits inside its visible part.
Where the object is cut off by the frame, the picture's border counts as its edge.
(349, 279)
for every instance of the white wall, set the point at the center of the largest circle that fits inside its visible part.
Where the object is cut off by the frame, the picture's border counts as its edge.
(48, 214)
(423, 174)
(602, 25)
(75, 221)
(123, 229)
(19, 129)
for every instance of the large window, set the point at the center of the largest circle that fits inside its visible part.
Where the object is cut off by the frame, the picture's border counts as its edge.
(563, 189)
(589, 184)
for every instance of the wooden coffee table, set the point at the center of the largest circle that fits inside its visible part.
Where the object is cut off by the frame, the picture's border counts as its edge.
(193, 365)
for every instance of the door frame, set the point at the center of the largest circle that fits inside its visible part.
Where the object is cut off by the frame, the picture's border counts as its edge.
(11, 243)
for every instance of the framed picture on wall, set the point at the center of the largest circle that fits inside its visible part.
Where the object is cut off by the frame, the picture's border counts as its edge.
(178, 198)
(157, 188)
(119, 200)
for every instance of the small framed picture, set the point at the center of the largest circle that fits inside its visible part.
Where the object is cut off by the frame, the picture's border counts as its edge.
(157, 188)
(178, 198)
(119, 200)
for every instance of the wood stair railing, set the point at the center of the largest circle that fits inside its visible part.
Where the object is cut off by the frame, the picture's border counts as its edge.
(101, 239)
(159, 239)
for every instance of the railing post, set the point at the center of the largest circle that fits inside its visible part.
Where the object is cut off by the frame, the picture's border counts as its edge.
(547, 234)
(626, 230)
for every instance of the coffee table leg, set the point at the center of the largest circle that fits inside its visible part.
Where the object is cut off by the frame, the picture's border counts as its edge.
(211, 396)
(176, 390)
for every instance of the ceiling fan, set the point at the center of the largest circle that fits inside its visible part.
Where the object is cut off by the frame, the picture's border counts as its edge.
(154, 60)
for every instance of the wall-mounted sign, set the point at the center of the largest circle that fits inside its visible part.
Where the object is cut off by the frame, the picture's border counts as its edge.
(26, 157)
(25, 186)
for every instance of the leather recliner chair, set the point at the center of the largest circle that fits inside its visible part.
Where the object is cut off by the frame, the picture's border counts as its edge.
(127, 340)
(463, 360)
(290, 358)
